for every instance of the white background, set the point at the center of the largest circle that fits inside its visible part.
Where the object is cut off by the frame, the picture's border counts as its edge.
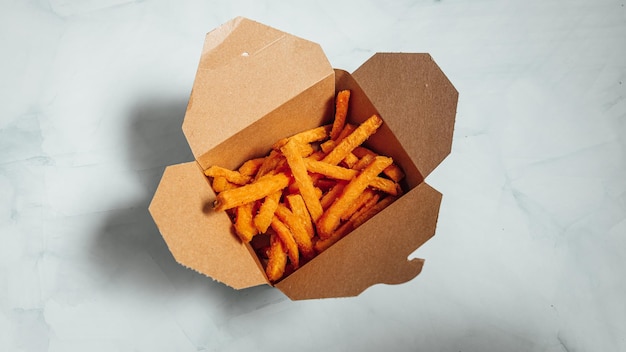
(530, 251)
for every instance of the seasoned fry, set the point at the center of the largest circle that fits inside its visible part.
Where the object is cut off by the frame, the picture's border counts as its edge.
(270, 163)
(277, 259)
(332, 143)
(318, 192)
(328, 146)
(350, 160)
(392, 171)
(313, 135)
(298, 230)
(385, 185)
(296, 203)
(243, 222)
(362, 199)
(251, 167)
(303, 181)
(362, 151)
(345, 132)
(230, 175)
(371, 202)
(261, 188)
(373, 210)
(343, 230)
(305, 149)
(360, 135)
(332, 216)
(363, 162)
(331, 195)
(349, 225)
(286, 236)
(341, 111)
(317, 155)
(220, 184)
(263, 218)
(328, 170)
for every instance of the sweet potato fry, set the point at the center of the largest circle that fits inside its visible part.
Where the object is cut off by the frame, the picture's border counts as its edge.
(332, 143)
(296, 203)
(243, 222)
(363, 162)
(362, 217)
(360, 135)
(385, 185)
(329, 170)
(317, 155)
(328, 146)
(277, 259)
(332, 216)
(261, 188)
(303, 181)
(270, 163)
(362, 151)
(348, 226)
(392, 171)
(309, 136)
(361, 200)
(251, 167)
(332, 194)
(318, 192)
(230, 175)
(348, 128)
(367, 205)
(305, 149)
(298, 230)
(286, 237)
(263, 218)
(350, 160)
(341, 111)
(220, 184)
(344, 229)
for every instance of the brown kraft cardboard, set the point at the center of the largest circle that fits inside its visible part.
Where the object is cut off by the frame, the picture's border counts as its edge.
(255, 85)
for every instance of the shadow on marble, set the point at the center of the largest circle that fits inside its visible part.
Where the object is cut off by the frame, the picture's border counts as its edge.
(129, 250)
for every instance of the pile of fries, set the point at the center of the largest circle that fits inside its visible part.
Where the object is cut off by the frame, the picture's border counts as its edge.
(310, 191)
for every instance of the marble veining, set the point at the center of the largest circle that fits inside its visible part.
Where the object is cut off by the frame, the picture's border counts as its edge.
(530, 248)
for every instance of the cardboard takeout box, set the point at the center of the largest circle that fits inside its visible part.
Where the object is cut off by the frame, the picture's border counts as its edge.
(255, 85)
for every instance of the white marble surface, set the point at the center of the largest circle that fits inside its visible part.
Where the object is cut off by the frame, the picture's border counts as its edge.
(530, 252)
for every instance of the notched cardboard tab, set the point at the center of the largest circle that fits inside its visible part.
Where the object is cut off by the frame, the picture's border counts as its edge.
(423, 121)
(374, 253)
(197, 236)
(247, 70)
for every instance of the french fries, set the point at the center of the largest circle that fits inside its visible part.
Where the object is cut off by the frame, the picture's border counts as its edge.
(311, 190)
(341, 111)
(277, 261)
(303, 180)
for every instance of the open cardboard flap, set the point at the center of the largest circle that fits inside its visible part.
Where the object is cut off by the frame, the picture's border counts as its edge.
(255, 85)
(194, 233)
(251, 78)
(416, 100)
